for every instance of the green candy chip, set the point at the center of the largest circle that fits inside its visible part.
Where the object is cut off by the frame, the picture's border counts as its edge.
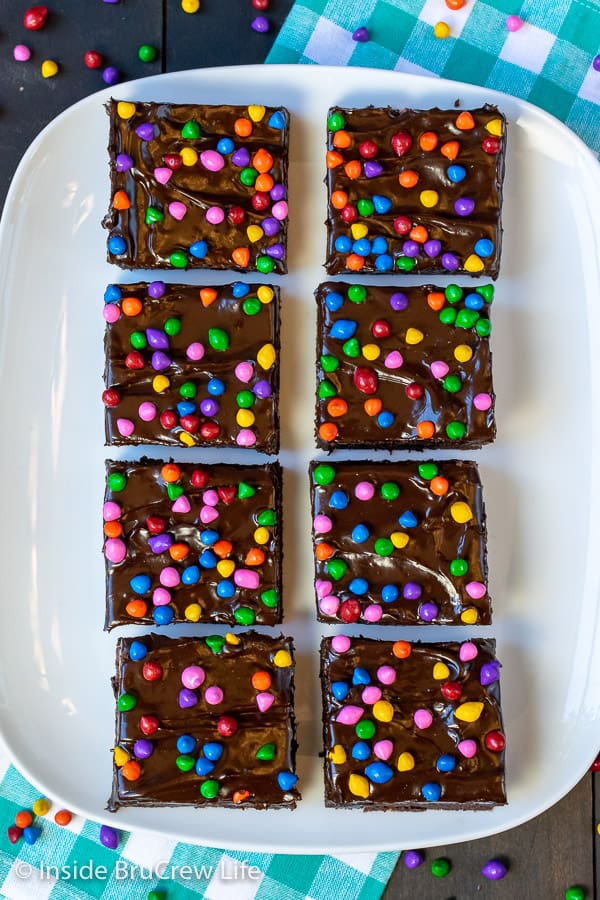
(190, 131)
(116, 482)
(266, 752)
(245, 490)
(185, 763)
(266, 518)
(209, 789)
(252, 306)
(453, 293)
(329, 363)
(389, 490)
(243, 615)
(126, 702)
(269, 598)
(335, 121)
(365, 729)
(326, 390)
(427, 471)
(351, 348)
(406, 263)
(337, 568)
(384, 547)
(357, 293)
(459, 567)
(324, 474)
(215, 642)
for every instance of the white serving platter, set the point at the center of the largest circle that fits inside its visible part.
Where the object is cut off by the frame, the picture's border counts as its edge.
(541, 477)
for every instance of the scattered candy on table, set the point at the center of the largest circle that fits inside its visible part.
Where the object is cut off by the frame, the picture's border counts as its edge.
(413, 859)
(147, 53)
(109, 837)
(49, 68)
(455, 4)
(260, 5)
(21, 53)
(596, 63)
(361, 35)
(92, 59)
(260, 24)
(110, 75)
(190, 6)
(575, 892)
(35, 18)
(440, 867)
(514, 23)
(441, 30)
(63, 817)
(41, 807)
(494, 869)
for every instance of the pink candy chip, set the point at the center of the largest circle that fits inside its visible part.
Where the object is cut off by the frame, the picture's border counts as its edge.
(111, 313)
(111, 511)
(162, 174)
(161, 597)
(386, 675)
(323, 588)
(372, 613)
(195, 351)
(212, 160)
(422, 718)
(244, 371)
(147, 411)
(393, 360)
(329, 605)
(279, 210)
(211, 498)
(178, 210)
(467, 748)
(341, 643)
(475, 590)
(264, 701)
(482, 402)
(349, 715)
(215, 215)
(364, 490)
(181, 505)
(193, 677)
(213, 695)
(245, 438)
(208, 514)
(371, 695)
(125, 427)
(439, 369)
(169, 577)
(246, 578)
(467, 652)
(383, 749)
(322, 524)
(115, 550)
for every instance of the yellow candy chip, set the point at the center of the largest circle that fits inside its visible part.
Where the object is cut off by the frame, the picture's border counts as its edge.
(399, 539)
(441, 671)
(282, 659)
(473, 263)
(414, 336)
(41, 806)
(469, 615)
(262, 535)
(120, 756)
(406, 762)
(190, 6)
(265, 293)
(189, 157)
(338, 755)
(463, 353)
(359, 230)
(469, 712)
(225, 567)
(254, 233)
(245, 418)
(125, 110)
(371, 351)
(266, 356)
(429, 199)
(358, 785)
(461, 512)
(193, 612)
(160, 383)
(187, 439)
(494, 126)
(49, 68)
(256, 113)
(598, 827)
(441, 30)
(231, 638)
(383, 711)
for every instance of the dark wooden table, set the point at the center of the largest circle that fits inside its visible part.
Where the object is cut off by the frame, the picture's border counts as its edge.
(548, 854)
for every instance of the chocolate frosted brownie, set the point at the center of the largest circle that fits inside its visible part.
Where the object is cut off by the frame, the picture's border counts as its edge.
(415, 190)
(409, 368)
(186, 542)
(205, 722)
(400, 543)
(192, 366)
(197, 186)
(412, 726)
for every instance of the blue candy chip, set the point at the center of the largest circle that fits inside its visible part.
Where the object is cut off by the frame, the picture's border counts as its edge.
(456, 174)
(137, 651)
(213, 750)
(408, 519)
(389, 593)
(379, 773)
(359, 586)
(31, 834)
(186, 408)
(360, 533)
(286, 780)
(362, 247)
(116, 244)
(209, 537)
(215, 387)
(339, 500)
(361, 676)
(208, 560)
(379, 245)
(186, 744)
(225, 146)
(199, 249)
(484, 248)
(361, 750)
(191, 575)
(225, 589)
(343, 329)
(112, 294)
(474, 301)
(334, 301)
(343, 244)
(385, 419)
(140, 584)
(163, 615)
(431, 791)
(445, 763)
(384, 262)
(204, 766)
(239, 289)
(277, 120)
(382, 204)
(339, 689)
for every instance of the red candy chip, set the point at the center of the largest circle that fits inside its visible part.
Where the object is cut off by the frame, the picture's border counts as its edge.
(236, 215)
(402, 225)
(155, 524)
(227, 494)
(210, 430)
(168, 419)
(595, 766)
(152, 671)
(260, 201)
(35, 17)
(92, 59)
(111, 397)
(172, 160)
(365, 380)
(260, 4)
(190, 423)
(226, 726)
(200, 478)
(350, 611)
(368, 149)
(491, 145)
(149, 724)
(495, 741)
(413, 391)
(14, 833)
(452, 690)
(349, 214)
(381, 328)
(134, 360)
(401, 143)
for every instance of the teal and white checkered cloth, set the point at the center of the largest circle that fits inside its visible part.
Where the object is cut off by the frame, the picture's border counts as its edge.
(548, 61)
(129, 872)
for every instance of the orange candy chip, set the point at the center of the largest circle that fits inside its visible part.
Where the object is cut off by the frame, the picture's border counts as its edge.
(113, 529)
(353, 169)
(333, 159)
(450, 149)
(337, 406)
(170, 473)
(401, 649)
(255, 557)
(373, 406)
(240, 796)
(428, 140)
(419, 234)
(137, 609)
(328, 431)
(439, 485)
(131, 770)
(436, 300)
(241, 256)
(121, 200)
(323, 551)
(178, 551)
(342, 140)
(242, 127)
(354, 262)
(264, 183)
(131, 306)
(63, 817)
(408, 178)
(23, 819)
(465, 121)
(262, 161)
(339, 199)
(425, 429)
(207, 296)
(222, 548)
(261, 681)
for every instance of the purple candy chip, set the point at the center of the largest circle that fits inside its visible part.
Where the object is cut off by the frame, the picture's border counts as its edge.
(399, 301)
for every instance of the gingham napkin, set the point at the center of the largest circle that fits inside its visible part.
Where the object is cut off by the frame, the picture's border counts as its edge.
(27, 873)
(548, 61)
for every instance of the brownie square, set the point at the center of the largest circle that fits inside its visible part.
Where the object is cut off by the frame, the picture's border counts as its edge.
(189, 366)
(185, 542)
(205, 722)
(400, 543)
(412, 726)
(415, 190)
(404, 369)
(197, 186)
